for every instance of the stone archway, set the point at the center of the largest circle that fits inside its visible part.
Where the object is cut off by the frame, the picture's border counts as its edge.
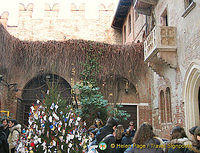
(191, 95)
(36, 88)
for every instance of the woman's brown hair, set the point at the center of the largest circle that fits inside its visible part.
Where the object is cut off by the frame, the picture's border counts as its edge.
(119, 131)
(178, 132)
(143, 134)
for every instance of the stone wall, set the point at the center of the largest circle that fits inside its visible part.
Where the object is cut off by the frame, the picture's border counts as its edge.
(188, 51)
(187, 37)
(61, 20)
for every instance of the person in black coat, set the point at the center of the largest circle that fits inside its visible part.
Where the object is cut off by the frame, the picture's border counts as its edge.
(106, 130)
(179, 138)
(6, 127)
(4, 148)
(131, 129)
(126, 140)
(145, 141)
(195, 131)
(113, 141)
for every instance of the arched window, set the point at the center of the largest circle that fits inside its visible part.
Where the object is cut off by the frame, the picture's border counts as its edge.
(162, 106)
(124, 34)
(129, 24)
(136, 15)
(169, 107)
(199, 102)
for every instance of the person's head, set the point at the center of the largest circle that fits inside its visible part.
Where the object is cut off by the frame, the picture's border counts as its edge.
(131, 125)
(177, 133)
(111, 122)
(119, 132)
(93, 133)
(4, 122)
(197, 134)
(12, 123)
(192, 130)
(143, 134)
(98, 123)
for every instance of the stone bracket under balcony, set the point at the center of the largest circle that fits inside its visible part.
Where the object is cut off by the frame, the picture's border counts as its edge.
(144, 6)
(160, 48)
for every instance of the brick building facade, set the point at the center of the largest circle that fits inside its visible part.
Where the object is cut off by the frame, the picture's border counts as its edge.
(165, 92)
(49, 23)
(170, 32)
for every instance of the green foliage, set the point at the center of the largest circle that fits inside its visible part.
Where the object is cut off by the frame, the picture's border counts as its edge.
(118, 113)
(93, 104)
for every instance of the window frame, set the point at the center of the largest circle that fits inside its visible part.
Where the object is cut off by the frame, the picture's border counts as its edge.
(188, 7)
(129, 24)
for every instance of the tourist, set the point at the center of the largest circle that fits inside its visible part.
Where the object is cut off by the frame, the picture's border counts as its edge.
(192, 130)
(196, 139)
(6, 127)
(4, 148)
(145, 141)
(92, 134)
(106, 130)
(126, 140)
(113, 141)
(131, 129)
(15, 130)
(119, 133)
(179, 142)
(98, 123)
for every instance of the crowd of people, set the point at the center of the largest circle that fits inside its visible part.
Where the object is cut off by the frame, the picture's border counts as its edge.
(113, 138)
(116, 139)
(9, 135)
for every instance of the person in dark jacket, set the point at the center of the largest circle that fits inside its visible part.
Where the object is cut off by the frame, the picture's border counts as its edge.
(113, 141)
(131, 129)
(196, 139)
(119, 133)
(4, 148)
(106, 130)
(179, 142)
(145, 141)
(6, 127)
(126, 140)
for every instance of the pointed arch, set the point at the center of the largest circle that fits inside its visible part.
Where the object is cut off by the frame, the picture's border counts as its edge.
(190, 95)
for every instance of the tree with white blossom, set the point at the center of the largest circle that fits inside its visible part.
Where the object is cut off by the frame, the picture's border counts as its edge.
(53, 127)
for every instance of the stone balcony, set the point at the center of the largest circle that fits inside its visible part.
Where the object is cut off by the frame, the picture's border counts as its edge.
(160, 48)
(144, 6)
